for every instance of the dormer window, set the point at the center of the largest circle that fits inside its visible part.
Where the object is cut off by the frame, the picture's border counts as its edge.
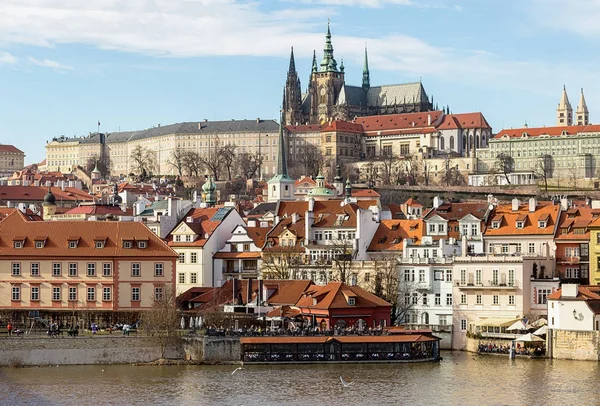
(351, 301)
(520, 224)
(142, 244)
(314, 301)
(541, 224)
(73, 242)
(18, 244)
(127, 244)
(495, 224)
(39, 244)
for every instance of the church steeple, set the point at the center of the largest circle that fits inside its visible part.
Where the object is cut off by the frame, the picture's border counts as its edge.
(582, 114)
(281, 186)
(281, 157)
(328, 64)
(366, 81)
(292, 95)
(564, 112)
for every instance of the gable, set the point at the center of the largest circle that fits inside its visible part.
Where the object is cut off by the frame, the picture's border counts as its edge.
(436, 219)
(183, 229)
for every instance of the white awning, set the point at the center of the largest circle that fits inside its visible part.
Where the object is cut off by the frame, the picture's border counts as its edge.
(496, 322)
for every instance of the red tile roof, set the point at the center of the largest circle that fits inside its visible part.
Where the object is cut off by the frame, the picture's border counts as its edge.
(551, 131)
(365, 193)
(347, 212)
(100, 210)
(463, 121)
(398, 121)
(456, 211)
(37, 193)
(304, 128)
(334, 296)
(201, 224)
(579, 218)
(258, 235)
(584, 293)
(10, 148)
(343, 126)
(508, 224)
(391, 234)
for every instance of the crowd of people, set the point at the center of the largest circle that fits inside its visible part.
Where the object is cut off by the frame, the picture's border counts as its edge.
(536, 351)
(291, 331)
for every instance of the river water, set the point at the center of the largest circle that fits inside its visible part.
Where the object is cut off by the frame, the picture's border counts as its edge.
(460, 379)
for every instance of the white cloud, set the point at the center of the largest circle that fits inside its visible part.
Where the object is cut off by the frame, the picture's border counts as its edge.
(7, 58)
(580, 16)
(361, 3)
(48, 63)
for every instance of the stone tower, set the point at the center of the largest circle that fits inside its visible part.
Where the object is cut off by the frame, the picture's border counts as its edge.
(49, 205)
(564, 112)
(326, 82)
(582, 115)
(292, 95)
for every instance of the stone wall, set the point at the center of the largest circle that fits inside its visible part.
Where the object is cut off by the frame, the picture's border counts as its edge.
(578, 345)
(473, 343)
(212, 349)
(81, 350)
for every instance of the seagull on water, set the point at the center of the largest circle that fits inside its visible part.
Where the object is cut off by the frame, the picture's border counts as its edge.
(344, 383)
(237, 369)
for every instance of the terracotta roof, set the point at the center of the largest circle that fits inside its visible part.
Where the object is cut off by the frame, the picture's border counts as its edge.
(579, 218)
(237, 255)
(192, 293)
(202, 224)
(286, 224)
(551, 131)
(258, 235)
(343, 126)
(58, 234)
(391, 234)
(334, 296)
(508, 225)
(345, 216)
(463, 121)
(37, 193)
(591, 292)
(456, 211)
(412, 203)
(365, 193)
(284, 311)
(304, 128)
(286, 292)
(372, 124)
(100, 210)
(10, 148)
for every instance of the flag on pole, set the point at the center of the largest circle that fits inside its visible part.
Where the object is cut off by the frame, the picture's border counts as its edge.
(98, 123)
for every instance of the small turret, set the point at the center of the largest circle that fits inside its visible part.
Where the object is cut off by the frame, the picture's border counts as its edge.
(348, 189)
(209, 192)
(366, 80)
(582, 115)
(49, 205)
(564, 112)
(328, 64)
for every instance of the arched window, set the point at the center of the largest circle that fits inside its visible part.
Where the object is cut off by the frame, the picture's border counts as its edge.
(464, 143)
(477, 141)
(425, 318)
(442, 143)
(452, 142)
(471, 142)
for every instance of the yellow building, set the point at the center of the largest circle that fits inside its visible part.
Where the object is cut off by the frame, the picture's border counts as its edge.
(594, 251)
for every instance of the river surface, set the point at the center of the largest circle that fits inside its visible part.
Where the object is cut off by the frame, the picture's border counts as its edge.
(460, 379)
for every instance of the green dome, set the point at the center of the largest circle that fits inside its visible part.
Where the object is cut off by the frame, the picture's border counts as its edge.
(209, 186)
(49, 199)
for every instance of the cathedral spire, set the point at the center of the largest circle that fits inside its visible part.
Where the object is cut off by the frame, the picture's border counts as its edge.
(366, 81)
(328, 64)
(314, 62)
(292, 67)
(281, 159)
(564, 112)
(292, 94)
(582, 113)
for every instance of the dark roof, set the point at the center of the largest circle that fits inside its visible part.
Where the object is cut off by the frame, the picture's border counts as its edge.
(263, 208)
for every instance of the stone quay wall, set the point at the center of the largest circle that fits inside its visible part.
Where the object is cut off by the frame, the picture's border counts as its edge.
(27, 351)
(212, 349)
(576, 345)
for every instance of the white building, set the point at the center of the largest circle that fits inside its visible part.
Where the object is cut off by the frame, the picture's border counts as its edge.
(240, 258)
(575, 308)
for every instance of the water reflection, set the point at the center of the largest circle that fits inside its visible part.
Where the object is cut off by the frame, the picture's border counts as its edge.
(461, 378)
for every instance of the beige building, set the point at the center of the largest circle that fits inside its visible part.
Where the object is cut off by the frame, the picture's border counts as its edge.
(66, 267)
(12, 159)
(256, 137)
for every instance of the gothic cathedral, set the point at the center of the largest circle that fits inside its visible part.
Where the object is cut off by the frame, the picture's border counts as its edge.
(329, 98)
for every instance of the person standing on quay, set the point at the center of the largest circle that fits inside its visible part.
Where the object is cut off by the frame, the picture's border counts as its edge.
(9, 328)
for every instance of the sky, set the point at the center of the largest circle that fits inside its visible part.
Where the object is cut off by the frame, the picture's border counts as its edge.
(134, 64)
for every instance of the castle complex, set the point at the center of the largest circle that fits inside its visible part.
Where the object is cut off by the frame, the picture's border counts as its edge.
(328, 97)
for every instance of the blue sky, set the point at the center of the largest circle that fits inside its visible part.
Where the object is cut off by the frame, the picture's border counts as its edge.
(65, 64)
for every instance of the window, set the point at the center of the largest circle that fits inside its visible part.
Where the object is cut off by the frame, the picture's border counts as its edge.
(463, 324)
(505, 248)
(35, 269)
(448, 275)
(478, 276)
(177, 238)
(511, 300)
(56, 269)
(16, 293)
(188, 238)
(91, 269)
(136, 269)
(193, 257)
(463, 299)
(106, 294)
(127, 244)
(421, 275)
(511, 277)
(91, 294)
(432, 228)
(572, 273)
(35, 293)
(520, 224)
(18, 244)
(158, 293)
(415, 298)
(72, 294)
(142, 244)
(463, 276)
(542, 294)
(531, 248)
(158, 269)
(16, 269)
(193, 278)
(135, 294)
(182, 256)
(409, 275)
(438, 299)
(181, 278)
(474, 229)
(495, 300)
(478, 299)
(404, 149)
(438, 275)
(73, 269)
(351, 301)
(39, 244)
(425, 253)
(495, 224)
(72, 244)
(441, 228)
(56, 294)
(424, 299)
(495, 277)
(99, 244)
(246, 247)
(541, 224)
(448, 299)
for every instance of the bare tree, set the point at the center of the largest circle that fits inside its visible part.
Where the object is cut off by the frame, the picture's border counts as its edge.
(143, 161)
(191, 163)
(412, 168)
(426, 173)
(280, 263)
(248, 164)
(504, 164)
(103, 165)
(387, 163)
(544, 168)
(161, 321)
(342, 255)
(451, 175)
(308, 158)
(226, 154)
(177, 160)
(573, 177)
(213, 160)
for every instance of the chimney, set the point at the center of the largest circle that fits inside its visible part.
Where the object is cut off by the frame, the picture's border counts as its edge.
(463, 246)
(62, 185)
(294, 218)
(564, 204)
(490, 198)
(515, 204)
(171, 206)
(257, 120)
(311, 204)
(569, 290)
(532, 204)
(428, 119)
(405, 248)
(437, 202)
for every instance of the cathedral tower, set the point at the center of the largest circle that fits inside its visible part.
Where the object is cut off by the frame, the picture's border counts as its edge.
(326, 82)
(292, 95)
(366, 80)
(564, 112)
(582, 115)
(281, 186)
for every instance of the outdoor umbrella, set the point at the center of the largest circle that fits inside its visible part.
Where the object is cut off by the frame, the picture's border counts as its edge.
(191, 322)
(182, 322)
(517, 325)
(542, 331)
(529, 338)
(198, 321)
(539, 322)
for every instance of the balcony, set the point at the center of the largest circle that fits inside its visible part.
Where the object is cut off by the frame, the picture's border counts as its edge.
(237, 270)
(423, 261)
(487, 285)
(570, 260)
